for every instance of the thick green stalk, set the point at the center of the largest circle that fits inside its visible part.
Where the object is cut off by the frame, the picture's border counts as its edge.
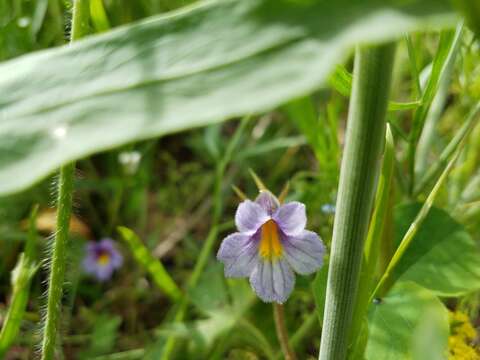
(58, 259)
(360, 164)
(372, 249)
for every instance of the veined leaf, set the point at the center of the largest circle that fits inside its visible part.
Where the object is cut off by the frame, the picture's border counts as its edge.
(199, 65)
(442, 257)
(399, 317)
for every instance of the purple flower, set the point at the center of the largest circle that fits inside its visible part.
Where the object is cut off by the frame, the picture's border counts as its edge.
(102, 259)
(271, 244)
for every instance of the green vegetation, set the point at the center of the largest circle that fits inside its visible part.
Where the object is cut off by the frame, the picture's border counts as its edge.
(130, 132)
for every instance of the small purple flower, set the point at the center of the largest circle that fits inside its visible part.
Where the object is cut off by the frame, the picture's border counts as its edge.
(102, 259)
(271, 244)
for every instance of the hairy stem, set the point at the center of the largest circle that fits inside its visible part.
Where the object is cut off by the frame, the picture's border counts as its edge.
(282, 333)
(58, 257)
(64, 209)
(358, 176)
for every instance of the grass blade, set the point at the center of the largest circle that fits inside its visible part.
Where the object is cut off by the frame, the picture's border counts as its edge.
(449, 45)
(452, 146)
(341, 80)
(152, 265)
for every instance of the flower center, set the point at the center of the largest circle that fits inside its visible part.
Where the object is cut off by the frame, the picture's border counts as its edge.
(103, 259)
(270, 245)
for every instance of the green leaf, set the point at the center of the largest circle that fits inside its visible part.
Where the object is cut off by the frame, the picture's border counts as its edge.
(200, 65)
(211, 291)
(105, 331)
(442, 257)
(394, 320)
(430, 336)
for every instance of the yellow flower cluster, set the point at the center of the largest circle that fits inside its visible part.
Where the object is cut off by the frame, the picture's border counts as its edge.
(461, 337)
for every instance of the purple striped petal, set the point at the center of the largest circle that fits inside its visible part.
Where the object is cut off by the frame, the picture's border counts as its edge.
(267, 201)
(239, 254)
(249, 217)
(304, 252)
(273, 281)
(291, 218)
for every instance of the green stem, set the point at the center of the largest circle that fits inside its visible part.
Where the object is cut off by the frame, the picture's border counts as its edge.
(282, 333)
(212, 235)
(21, 279)
(363, 148)
(58, 258)
(64, 208)
(80, 16)
(417, 90)
(372, 249)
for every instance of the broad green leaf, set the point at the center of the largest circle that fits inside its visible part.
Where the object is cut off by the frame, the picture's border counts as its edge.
(200, 65)
(211, 292)
(442, 257)
(394, 320)
(429, 336)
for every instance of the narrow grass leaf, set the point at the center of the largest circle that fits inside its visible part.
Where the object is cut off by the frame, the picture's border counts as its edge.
(386, 281)
(341, 80)
(153, 266)
(460, 135)
(448, 46)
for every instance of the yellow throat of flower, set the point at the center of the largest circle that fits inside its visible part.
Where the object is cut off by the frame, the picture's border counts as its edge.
(270, 245)
(103, 259)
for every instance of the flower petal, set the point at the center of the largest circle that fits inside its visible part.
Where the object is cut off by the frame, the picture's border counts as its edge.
(267, 201)
(291, 218)
(104, 273)
(239, 254)
(89, 264)
(304, 252)
(273, 280)
(249, 217)
(116, 259)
